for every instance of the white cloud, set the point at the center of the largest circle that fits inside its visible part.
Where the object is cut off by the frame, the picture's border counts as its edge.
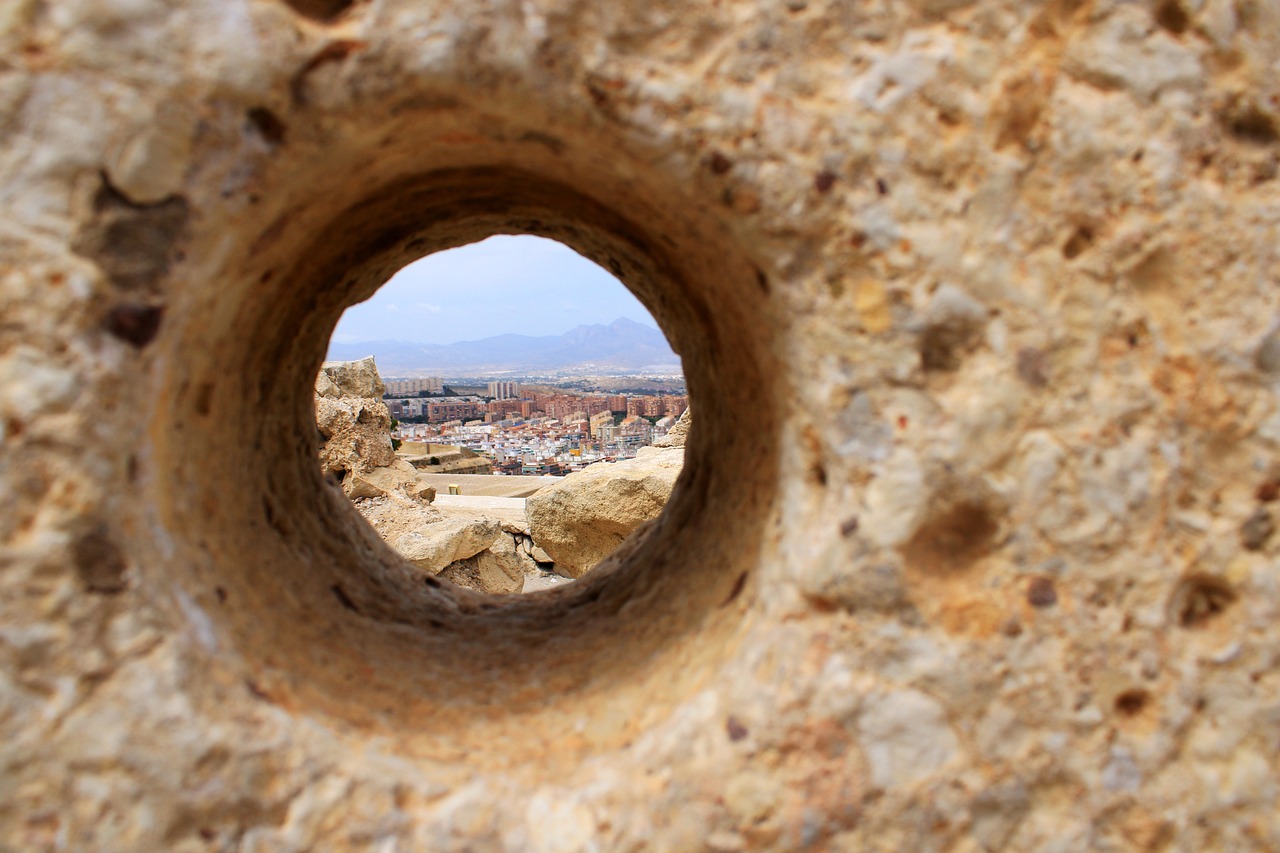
(429, 307)
(391, 308)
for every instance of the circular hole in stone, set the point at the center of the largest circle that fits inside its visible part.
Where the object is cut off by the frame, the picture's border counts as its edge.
(298, 602)
(1131, 702)
(324, 11)
(456, 400)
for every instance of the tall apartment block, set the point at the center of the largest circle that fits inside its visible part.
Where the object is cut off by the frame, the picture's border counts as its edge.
(504, 390)
(405, 387)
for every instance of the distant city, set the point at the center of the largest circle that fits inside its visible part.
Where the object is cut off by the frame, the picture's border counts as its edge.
(537, 428)
(621, 348)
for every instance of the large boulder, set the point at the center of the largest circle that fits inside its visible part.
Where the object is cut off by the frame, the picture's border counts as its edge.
(435, 546)
(583, 518)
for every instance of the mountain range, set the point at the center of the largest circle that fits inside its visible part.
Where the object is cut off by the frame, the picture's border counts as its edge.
(621, 346)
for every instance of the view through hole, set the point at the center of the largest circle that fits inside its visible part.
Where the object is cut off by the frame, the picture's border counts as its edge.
(505, 414)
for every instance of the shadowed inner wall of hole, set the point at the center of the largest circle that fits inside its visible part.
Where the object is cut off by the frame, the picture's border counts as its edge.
(316, 602)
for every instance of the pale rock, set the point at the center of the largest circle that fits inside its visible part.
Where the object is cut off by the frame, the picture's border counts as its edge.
(752, 796)
(350, 379)
(377, 482)
(895, 500)
(355, 426)
(486, 572)
(513, 561)
(360, 436)
(31, 382)
(846, 574)
(906, 737)
(587, 515)
(895, 76)
(150, 166)
(422, 490)
(437, 545)
(557, 824)
(864, 434)
(1122, 51)
(518, 526)
(1121, 772)
(326, 387)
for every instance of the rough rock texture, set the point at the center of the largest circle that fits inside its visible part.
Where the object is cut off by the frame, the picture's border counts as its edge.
(474, 551)
(491, 571)
(399, 476)
(392, 516)
(679, 431)
(355, 426)
(583, 518)
(357, 378)
(978, 307)
(433, 547)
(356, 433)
(511, 563)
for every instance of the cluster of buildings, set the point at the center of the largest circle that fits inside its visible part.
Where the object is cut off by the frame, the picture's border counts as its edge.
(506, 401)
(539, 432)
(414, 387)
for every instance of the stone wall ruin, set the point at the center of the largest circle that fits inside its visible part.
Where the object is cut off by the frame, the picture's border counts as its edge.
(973, 548)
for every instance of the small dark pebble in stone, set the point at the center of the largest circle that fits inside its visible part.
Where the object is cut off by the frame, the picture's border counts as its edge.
(136, 324)
(1268, 491)
(1041, 593)
(720, 163)
(1257, 529)
(1033, 367)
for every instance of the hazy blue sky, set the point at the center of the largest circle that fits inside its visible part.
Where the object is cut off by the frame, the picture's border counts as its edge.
(523, 284)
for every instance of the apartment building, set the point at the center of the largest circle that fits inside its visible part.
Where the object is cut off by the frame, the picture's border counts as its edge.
(504, 390)
(407, 387)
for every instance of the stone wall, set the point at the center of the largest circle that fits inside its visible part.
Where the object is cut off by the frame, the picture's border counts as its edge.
(973, 546)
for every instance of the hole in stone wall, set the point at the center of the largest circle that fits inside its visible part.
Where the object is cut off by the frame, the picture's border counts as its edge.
(328, 620)
(325, 11)
(954, 537)
(1171, 16)
(1200, 598)
(504, 414)
(1131, 702)
(1247, 122)
(1080, 239)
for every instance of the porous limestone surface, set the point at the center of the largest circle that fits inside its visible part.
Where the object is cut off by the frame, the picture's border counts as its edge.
(358, 378)
(973, 548)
